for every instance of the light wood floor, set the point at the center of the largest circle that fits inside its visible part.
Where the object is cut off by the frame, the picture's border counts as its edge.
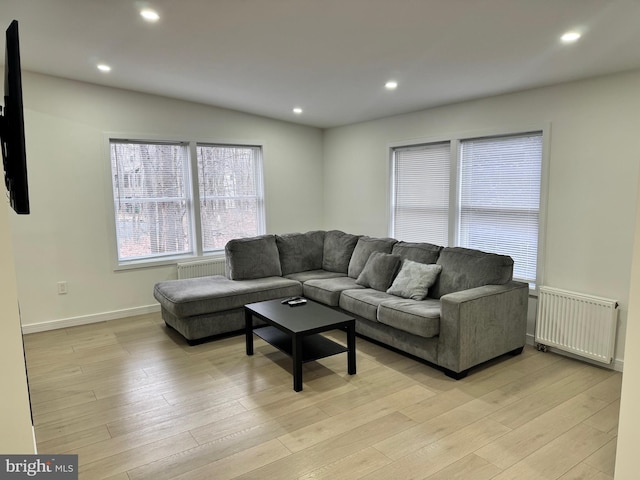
(136, 402)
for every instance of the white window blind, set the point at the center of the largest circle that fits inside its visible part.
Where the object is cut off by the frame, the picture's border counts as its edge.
(230, 189)
(151, 199)
(421, 193)
(500, 198)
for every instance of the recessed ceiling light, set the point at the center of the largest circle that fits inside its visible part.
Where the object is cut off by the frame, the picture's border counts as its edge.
(149, 15)
(570, 37)
(391, 85)
(104, 67)
(297, 110)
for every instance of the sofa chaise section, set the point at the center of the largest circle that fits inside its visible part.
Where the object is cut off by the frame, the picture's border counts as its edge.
(199, 308)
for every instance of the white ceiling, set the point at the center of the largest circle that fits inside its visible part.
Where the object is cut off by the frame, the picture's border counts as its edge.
(329, 57)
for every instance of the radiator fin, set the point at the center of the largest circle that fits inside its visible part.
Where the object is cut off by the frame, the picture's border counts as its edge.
(580, 324)
(202, 268)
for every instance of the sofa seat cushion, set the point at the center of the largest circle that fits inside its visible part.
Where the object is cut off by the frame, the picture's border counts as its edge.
(463, 268)
(303, 277)
(419, 317)
(363, 302)
(197, 296)
(300, 252)
(328, 290)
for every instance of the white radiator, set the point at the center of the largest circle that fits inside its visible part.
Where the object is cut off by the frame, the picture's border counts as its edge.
(202, 268)
(580, 324)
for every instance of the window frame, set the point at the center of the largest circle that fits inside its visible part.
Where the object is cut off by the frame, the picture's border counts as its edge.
(455, 139)
(193, 207)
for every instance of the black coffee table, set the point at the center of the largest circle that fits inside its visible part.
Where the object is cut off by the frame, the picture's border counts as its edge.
(296, 332)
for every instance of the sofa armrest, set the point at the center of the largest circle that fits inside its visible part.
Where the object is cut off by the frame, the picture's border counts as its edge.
(482, 323)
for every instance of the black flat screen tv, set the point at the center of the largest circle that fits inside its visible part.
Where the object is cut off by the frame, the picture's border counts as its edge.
(14, 157)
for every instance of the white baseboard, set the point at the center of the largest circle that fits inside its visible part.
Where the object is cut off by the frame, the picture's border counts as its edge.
(87, 319)
(617, 364)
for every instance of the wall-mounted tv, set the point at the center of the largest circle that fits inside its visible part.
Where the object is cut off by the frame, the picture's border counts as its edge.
(14, 157)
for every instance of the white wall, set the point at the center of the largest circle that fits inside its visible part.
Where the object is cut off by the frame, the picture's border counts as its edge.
(68, 237)
(592, 176)
(15, 416)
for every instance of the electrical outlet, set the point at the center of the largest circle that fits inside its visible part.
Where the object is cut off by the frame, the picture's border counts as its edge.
(62, 288)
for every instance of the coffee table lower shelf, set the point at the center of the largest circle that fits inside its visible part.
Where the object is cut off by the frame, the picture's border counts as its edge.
(314, 347)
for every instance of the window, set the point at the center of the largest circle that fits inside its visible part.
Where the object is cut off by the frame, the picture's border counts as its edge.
(160, 215)
(151, 199)
(496, 205)
(500, 198)
(421, 186)
(230, 194)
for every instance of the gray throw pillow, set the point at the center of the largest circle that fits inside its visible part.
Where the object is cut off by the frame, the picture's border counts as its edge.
(379, 271)
(414, 280)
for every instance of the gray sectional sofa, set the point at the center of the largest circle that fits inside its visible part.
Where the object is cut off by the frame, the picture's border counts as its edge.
(453, 307)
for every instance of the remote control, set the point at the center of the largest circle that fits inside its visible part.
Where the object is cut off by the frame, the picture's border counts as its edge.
(290, 299)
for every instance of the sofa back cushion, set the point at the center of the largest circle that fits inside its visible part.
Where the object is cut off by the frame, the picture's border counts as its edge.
(253, 257)
(364, 248)
(464, 268)
(417, 252)
(338, 248)
(300, 252)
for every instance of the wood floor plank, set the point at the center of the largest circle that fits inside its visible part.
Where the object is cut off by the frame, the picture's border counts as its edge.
(585, 472)
(434, 429)
(136, 456)
(239, 463)
(469, 467)
(352, 466)
(606, 419)
(338, 424)
(603, 459)
(331, 450)
(135, 401)
(558, 456)
(67, 401)
(527, 438)
(609, 389)
(253, 420)
(441, 453)
(548, 397)
(72, 442)
(225, 438)
(193, 415)
(436, 405)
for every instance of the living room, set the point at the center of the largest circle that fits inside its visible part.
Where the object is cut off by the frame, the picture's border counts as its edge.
(314, 177)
